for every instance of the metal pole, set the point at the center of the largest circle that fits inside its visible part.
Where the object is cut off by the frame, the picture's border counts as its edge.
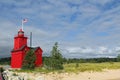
(22, 24)
(30, 39)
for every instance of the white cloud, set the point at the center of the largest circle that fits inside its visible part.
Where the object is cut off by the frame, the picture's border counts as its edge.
(71, 23)
(103, 50)
(79, 50)
(117, 49)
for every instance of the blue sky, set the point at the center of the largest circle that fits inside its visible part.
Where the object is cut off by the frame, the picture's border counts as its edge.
(83, 28)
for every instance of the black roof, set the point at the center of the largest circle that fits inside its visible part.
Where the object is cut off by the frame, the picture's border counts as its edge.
(19, 48)
(23, 47)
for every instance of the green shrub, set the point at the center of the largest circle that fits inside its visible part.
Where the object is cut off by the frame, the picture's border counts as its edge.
(29, 60)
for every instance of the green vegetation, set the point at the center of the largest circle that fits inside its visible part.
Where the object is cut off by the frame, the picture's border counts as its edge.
(1, 69)
(55, 61)
(29, 60)
(79, 67)
(91, 60)
(118, 58)
(72, 67)
(5, 61)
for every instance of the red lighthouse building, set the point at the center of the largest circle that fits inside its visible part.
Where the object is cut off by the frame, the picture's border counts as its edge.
(20, 49)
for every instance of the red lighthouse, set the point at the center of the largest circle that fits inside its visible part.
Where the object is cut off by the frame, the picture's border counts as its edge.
(20, 49)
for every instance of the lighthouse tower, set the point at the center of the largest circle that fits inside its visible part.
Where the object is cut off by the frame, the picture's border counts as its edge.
(20, 50)
(20, 40)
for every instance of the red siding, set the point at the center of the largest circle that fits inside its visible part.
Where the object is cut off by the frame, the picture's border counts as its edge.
(16, 61)
(19, 42)
(38, 61)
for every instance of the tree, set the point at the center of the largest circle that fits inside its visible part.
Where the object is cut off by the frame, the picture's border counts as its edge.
(56, 57)
(29, 60)
(118, 57)
(55, 61)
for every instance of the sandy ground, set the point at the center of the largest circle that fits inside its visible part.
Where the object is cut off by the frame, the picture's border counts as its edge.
(105, 75)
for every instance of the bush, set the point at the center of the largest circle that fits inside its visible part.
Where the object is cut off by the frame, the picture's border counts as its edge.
(29, 60)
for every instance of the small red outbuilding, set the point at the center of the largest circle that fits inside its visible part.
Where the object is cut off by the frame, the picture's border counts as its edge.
(20, 49)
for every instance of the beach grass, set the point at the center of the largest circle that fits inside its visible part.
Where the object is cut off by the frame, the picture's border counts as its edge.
(81, 67)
